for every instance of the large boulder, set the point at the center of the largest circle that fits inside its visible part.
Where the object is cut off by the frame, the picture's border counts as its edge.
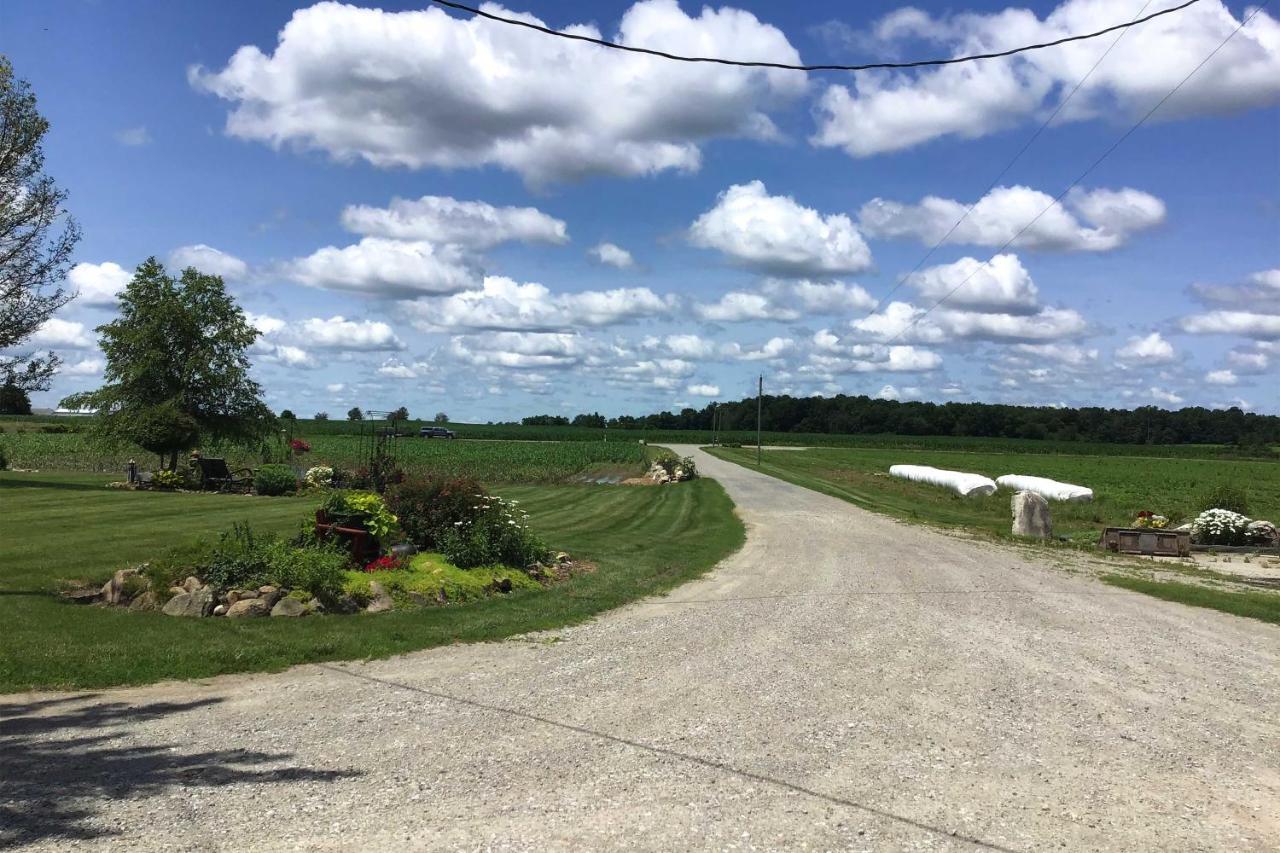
(113, 591)
(1031, 516)
(249, 608)
(288, 606)
(195, 604)
(382, 600)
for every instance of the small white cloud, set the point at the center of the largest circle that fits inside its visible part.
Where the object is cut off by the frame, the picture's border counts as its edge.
(98, 285)
(1000, 285)
(387, 268)
(441, 219)
(1148, 350)
(612, 255)
(56, 333)
(134, 136)
(84, 367)
(778, 236)
(209, 260)
(1247, 324)
(1161, 395)
(335, 387)
(339, 333)
(1221, 377)
(704, 390)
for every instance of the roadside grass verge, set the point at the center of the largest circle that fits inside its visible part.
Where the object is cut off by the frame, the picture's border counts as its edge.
(1123, 486)
(63, 526)
(1254, 605)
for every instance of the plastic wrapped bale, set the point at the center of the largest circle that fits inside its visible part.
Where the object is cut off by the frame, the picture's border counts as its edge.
(962, 483)
(1046, 488)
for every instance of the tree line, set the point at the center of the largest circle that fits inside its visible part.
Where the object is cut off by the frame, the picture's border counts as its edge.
(861, 415)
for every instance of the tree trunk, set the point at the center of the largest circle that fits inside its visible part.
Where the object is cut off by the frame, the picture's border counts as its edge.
(173, 460)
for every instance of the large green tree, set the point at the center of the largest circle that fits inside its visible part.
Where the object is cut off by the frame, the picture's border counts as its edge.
(177, 367)
(36, 235)
(13, 400)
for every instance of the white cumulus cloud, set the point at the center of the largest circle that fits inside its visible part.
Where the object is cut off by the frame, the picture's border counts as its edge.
(387, 268)
(876, 113)
(1087, 221)
(1145, 350)
(778, 236)
(209, 260)
(612, 255)
(442, 219)
(98, 285)
(423, 88)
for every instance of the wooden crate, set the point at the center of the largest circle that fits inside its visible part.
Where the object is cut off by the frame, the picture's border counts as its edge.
(1141, 540)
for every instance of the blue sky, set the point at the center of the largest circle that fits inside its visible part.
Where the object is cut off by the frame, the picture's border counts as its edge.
(745, 202)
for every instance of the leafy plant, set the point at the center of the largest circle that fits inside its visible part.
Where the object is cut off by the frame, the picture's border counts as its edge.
(242, 559)
(427, 509)
(168, 480)
(367, 509)
(1226, 496)
(4, 460)
(275, 480)
(498, 535)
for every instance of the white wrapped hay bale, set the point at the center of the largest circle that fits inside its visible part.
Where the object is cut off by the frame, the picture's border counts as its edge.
(960, 482)
(1046, 488)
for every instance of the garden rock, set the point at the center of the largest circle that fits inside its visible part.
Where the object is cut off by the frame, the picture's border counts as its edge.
(1265, 533)
(271, 597)
(191, 584)
(89, 595)
(147, 601)
(195, 604)
(382, 600)
(112, 590)
(248, 608)
(288, 606)
(314, 606)
(1031, 516)
(220, 610)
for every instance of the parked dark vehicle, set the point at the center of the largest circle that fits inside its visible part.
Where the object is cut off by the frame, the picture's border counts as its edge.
(436, 432)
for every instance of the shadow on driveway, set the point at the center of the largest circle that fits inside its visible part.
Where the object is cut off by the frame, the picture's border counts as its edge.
(63, 766)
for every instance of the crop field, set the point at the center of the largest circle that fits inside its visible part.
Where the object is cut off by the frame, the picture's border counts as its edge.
(487, 461)
(27, 444)
(1122, 486)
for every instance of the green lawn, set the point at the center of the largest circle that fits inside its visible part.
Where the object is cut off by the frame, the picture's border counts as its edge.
(1123, 485)
(68, 526)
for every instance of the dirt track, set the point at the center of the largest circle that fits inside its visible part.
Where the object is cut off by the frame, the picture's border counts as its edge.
(845, 681)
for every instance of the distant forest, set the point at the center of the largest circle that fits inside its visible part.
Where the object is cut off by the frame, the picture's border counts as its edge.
(865, 415)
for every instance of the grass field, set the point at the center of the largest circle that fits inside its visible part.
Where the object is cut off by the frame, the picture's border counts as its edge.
(1122, 485)
(68, 526)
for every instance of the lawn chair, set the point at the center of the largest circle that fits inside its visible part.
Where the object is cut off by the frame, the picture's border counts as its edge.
(215, 475)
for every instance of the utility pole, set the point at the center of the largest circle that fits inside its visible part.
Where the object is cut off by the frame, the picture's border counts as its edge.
(715, 413)
(759, 409)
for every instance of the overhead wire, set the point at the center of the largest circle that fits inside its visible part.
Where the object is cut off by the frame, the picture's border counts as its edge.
(1098, 161)
(868, 66)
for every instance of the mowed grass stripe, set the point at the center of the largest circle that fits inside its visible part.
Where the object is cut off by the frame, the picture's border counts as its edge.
(643, 540)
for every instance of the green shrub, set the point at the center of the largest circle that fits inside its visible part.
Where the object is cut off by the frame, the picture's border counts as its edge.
(242, 559)
(499, 535)
(4, 460)
(275, 480)
(1225, 496)
(56, 429)
(427, 509)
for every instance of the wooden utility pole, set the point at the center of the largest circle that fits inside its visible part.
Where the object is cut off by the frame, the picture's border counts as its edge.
(759, 404)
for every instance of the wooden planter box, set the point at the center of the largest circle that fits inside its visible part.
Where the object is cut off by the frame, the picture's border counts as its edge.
(1142, 540)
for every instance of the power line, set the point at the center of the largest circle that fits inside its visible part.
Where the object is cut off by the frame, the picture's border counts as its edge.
(995, 181)
(1104, 155)
(870, 66)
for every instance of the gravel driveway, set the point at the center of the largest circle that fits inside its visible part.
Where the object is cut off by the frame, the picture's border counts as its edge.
(845, 681)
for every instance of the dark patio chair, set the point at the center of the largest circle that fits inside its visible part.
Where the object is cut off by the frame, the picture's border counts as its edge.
(216, 476)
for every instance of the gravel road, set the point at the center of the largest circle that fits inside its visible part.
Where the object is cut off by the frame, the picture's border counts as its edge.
(844, 682)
